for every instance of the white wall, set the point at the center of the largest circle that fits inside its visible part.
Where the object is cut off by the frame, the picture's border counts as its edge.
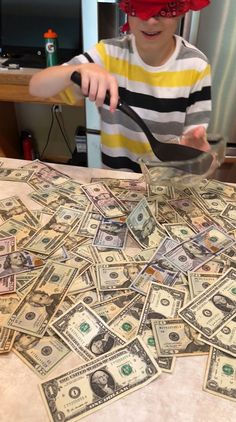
(37, 119)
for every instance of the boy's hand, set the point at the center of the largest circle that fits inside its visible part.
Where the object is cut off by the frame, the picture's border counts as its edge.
(96, 82)
(196, 138)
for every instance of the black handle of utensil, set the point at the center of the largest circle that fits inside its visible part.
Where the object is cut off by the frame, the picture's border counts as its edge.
(122, 106)
(76, 78)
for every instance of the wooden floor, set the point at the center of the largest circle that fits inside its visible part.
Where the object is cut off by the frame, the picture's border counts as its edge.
(226, 173)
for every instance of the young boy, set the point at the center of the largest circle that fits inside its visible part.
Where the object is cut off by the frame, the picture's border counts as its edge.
(164, 78)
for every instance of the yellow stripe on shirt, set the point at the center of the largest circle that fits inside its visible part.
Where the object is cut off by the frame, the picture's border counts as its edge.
(119, 141)
(166, 79)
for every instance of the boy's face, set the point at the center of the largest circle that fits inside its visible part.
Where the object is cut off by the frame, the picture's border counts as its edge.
(153, 34)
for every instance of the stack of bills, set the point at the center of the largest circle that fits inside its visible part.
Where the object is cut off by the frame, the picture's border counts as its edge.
(127, 279)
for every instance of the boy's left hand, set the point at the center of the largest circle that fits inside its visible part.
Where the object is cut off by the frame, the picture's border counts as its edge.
(196, 138)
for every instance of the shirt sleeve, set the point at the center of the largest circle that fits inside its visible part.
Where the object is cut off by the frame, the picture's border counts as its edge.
(199, 103)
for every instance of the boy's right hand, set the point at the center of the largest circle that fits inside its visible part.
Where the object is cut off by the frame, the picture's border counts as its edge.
(96, 82)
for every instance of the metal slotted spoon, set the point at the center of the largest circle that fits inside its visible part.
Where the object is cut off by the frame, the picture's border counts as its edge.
(163, 151)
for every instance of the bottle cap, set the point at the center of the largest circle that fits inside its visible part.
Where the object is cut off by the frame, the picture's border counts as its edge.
(50, 34)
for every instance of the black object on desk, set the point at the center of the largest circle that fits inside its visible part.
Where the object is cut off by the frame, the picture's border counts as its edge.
(28, 60)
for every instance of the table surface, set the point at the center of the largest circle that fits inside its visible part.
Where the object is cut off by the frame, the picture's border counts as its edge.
(176, 397)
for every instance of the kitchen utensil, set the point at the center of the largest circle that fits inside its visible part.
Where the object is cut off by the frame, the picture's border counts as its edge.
(163, 151)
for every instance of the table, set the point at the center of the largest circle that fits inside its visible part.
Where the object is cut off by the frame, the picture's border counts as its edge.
(176, 397)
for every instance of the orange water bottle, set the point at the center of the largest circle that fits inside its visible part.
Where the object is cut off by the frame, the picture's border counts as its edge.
(51, 47)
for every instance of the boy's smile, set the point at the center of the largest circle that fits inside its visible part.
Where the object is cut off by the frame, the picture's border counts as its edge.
(154, 38)
(151, 34)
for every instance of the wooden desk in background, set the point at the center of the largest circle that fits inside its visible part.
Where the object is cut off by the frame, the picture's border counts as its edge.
(14, 87)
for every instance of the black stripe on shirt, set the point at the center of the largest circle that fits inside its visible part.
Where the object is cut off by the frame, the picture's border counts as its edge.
(88, 57)
(203, 95)
(120, 163)
(164, 105)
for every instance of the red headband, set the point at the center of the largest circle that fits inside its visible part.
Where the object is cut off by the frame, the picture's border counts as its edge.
(145, 9)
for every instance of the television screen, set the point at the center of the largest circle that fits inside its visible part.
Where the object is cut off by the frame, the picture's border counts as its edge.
(24, 22)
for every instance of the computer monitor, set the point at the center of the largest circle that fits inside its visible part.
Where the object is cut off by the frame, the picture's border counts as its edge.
(24, 22)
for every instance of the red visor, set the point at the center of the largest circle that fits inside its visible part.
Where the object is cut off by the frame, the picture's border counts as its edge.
(145, 9)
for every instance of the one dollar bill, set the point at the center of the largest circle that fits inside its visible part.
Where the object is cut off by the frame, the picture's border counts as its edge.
(36, 309)
(214, 307)
(85, 332)
(93, 385)
(220, 375)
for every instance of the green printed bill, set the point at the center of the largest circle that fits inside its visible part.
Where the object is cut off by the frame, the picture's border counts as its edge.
(117, 276)
(71, 187)
(186, 208)
(14, 207)
(108, 309)
(18, 262)
(230, 213)
(212, 202)
(228, 192)
(110, 234)
(82, 282)
(214, 239)
(89, 222)
(225, 339)
(198, 282)
(78, 262)
(52, 235)
(161, 302)
(189, 256)
(35, 310)
(7, 244)
(104, 200)
(85, 332)
(126, 322)
(220, 377)
(214, 307)
(52, 199)
(21, 231)
(90, 297)
(45, 176)
(214, 266)
(130, 196)
(7, 337)
(7, 284)
(15, 175)
(153, 274)
(24, 281)
(174, 337)
(144, 226)
(123, 184)
(8, 302)
(111, 294)
(107, 255)
(91, 386)
(179, 231)
(42, 355)
(84, 250)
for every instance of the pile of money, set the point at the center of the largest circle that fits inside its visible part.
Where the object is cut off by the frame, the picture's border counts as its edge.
(126, 277)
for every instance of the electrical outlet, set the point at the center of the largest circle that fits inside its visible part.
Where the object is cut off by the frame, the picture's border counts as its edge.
(57, 108)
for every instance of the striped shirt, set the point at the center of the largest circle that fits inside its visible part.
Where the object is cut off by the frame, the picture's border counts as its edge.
(172, 98)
